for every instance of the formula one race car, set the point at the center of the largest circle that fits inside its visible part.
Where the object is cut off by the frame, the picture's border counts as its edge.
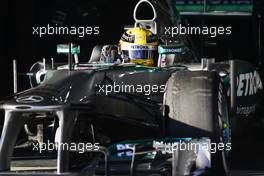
(100, 118)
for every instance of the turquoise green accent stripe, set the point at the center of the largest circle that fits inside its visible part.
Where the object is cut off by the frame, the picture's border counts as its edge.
(211, 8)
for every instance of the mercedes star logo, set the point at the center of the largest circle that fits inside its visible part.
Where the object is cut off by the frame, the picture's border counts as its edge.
(30, 99)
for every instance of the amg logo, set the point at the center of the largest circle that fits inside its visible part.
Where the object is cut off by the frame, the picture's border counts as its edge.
(248, 84)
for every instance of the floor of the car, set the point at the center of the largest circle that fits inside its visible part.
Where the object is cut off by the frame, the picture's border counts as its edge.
(34, 165)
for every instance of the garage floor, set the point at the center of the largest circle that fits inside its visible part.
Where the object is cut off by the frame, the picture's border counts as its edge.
(34, 165)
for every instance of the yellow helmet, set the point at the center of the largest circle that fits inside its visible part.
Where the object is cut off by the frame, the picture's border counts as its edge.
(139, 45)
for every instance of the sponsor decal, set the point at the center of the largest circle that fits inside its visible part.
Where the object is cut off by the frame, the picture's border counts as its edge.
(139, 47)
(246, 110)
(123, 150)
(248, 84)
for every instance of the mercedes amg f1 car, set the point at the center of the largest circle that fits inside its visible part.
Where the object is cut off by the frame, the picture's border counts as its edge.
(127, 119)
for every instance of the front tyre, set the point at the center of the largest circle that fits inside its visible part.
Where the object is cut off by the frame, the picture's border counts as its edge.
(197, 108)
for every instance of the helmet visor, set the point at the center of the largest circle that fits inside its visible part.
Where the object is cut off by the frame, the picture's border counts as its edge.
(139, 51)
(140, 54)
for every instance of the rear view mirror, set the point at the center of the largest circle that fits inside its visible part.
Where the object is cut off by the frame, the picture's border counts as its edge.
(64, 49)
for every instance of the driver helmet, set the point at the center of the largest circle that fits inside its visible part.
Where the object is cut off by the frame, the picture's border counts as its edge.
(139, 45)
